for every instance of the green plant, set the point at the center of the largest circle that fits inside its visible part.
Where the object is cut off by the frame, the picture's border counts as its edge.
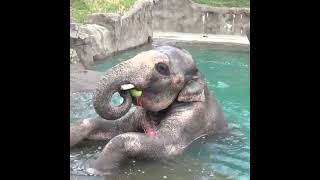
(80, 9)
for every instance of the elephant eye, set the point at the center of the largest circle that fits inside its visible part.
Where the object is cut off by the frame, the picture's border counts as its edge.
(162, 69)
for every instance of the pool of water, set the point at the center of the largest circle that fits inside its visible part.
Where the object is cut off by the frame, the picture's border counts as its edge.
(227, 74)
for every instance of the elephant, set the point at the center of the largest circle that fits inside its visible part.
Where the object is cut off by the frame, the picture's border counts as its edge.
(175, 108)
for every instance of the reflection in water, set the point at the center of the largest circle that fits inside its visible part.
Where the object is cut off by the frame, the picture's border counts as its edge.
(218, 157)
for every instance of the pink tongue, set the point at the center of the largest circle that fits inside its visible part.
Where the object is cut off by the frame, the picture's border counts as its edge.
(139, 101)
(150, 132)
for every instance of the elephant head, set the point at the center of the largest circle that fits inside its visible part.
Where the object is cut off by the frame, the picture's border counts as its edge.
(164, 75)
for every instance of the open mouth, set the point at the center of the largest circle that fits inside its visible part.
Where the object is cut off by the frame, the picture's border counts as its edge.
(137, 101)
(135, 92)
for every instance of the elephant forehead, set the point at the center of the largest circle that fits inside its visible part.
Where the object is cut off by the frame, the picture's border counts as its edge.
(150, 58)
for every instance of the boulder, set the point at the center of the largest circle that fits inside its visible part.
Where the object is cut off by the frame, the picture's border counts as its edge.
(106, 33)
(73, 57)
(90, 41)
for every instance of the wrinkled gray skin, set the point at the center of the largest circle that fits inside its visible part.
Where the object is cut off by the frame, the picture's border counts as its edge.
(177, 102)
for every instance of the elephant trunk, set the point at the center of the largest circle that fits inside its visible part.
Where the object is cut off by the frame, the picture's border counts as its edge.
(128, 72)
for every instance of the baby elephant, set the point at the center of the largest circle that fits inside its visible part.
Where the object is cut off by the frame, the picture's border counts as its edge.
(173, 108)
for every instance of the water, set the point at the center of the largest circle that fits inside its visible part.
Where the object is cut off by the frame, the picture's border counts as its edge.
(227, 74)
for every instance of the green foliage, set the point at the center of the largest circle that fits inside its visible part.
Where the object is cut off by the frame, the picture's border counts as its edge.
(80, 9)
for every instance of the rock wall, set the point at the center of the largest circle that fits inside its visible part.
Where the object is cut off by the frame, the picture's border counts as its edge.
(74, 59)
(102, 34)
(189, 17)
(136, 26)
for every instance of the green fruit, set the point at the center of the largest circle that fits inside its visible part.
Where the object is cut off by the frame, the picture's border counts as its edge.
(135, 93)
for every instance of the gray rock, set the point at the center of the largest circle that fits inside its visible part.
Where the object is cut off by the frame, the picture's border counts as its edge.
(73, 57)
(132, 29)
(99, 39)
(106, 33)
(90, 41)
(111, 22)
(107, 20)
(77, 37)
(186, 16)
(136, 25)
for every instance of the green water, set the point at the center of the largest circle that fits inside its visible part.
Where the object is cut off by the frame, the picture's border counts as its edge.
(227, 73)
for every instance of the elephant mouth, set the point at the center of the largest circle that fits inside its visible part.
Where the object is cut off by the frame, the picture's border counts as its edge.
(137, 101)
(135, 95)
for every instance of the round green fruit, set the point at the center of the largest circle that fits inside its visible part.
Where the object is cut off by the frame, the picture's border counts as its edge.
(135, 93)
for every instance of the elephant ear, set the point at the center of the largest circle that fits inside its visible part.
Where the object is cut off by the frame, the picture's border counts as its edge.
(193, 90)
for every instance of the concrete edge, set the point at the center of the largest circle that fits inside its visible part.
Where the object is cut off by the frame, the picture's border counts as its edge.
(209, 38)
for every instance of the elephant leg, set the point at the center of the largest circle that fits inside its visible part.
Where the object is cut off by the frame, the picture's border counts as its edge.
(134, 144)
(176, 132)
(101, 129)
(79, 131)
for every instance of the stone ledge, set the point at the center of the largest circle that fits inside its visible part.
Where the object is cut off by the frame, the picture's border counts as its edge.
(194, 37)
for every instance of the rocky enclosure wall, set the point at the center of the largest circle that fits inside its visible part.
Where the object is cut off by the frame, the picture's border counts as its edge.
(102, 34)
(186, 16)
